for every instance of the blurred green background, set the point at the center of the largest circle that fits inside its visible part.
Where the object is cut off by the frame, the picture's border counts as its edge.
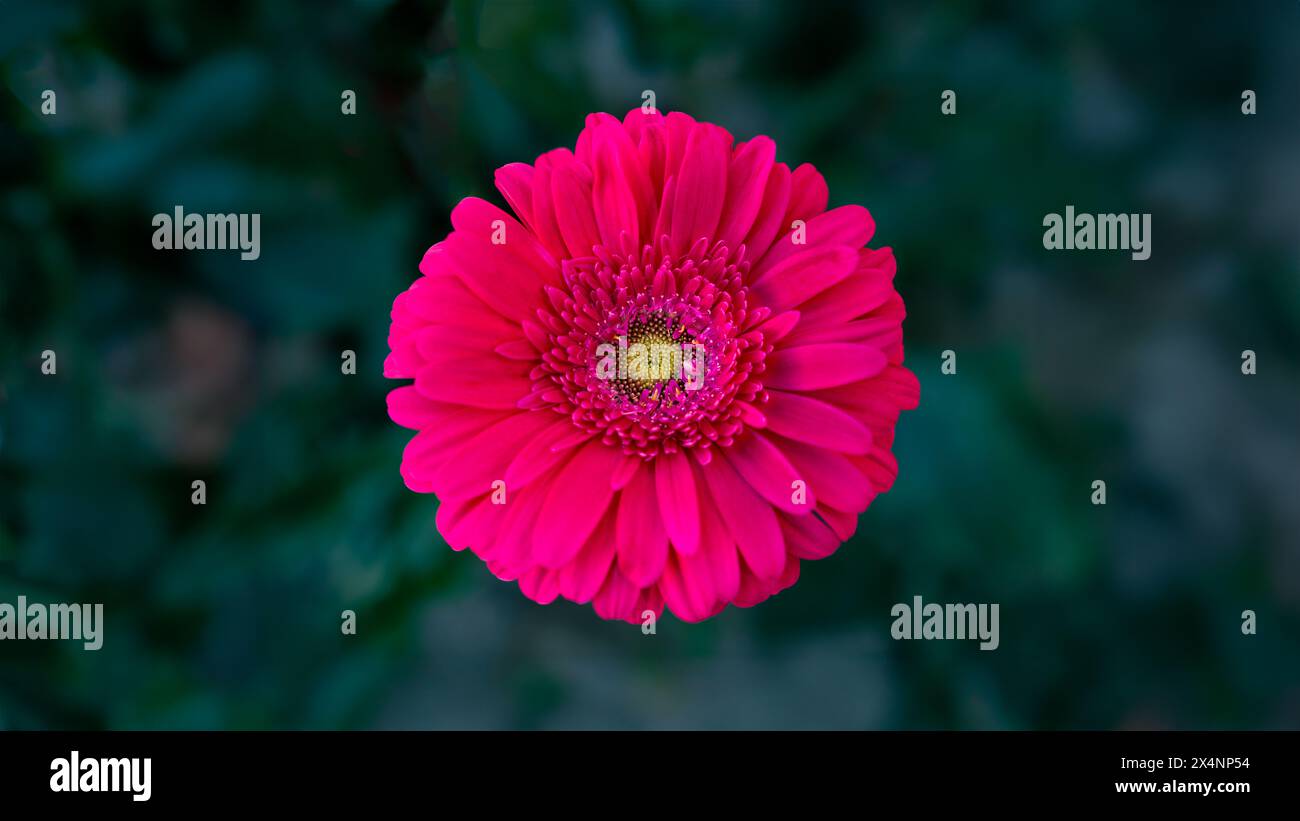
(1071, 366)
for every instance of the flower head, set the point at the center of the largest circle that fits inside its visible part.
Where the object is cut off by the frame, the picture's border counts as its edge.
(670, 376)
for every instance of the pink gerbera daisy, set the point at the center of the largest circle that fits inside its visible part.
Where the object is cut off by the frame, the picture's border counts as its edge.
(565, 457)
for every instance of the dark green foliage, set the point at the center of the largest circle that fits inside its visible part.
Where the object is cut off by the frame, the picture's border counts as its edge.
(1072, 366)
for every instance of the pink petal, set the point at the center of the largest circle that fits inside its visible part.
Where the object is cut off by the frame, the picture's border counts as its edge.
(678, 128)
(753, 590)
(876, 402)
(539, 456)
(751, 519)
(623, 198)
(507, 276)
(719, 548)
(544, 223)
(582, 149)
(409, 409)
(799, 277)
(808, 537)
(849, 225)
(575, 503)
(776, 328)
(475, 463)
(636, 121)
(515, 182)
(402, 362)
(434, 342)
(540, 584)
(452, 513)
(880, 466)
(625, 472)
(842, 522)
(808, 194)
(771, 214)
(471, 522)
(789, 575)
(513, 552)
(807, 420)
(870, 287)
(701, 188)
(581, 579)
(520, 349)
(821, 366)
(768, 471)
(617, 599)
(837, 482)
(652, 149)
(430, 447)
(642, 541)
(664, 221)
(678, 503)
(481, 365)
(877, 332)
(649, 599)
(494, 394)
(571, 190)
(688, 591)
(746, 182)
(441, 297)
(483, 527)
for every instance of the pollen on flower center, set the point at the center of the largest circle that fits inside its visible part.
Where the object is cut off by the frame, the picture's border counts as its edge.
(654, 349)
(655, 362)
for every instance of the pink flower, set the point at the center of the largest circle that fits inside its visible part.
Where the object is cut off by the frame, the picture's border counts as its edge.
(563, 460)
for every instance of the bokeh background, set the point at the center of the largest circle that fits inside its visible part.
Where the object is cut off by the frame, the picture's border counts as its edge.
(1071, 366)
